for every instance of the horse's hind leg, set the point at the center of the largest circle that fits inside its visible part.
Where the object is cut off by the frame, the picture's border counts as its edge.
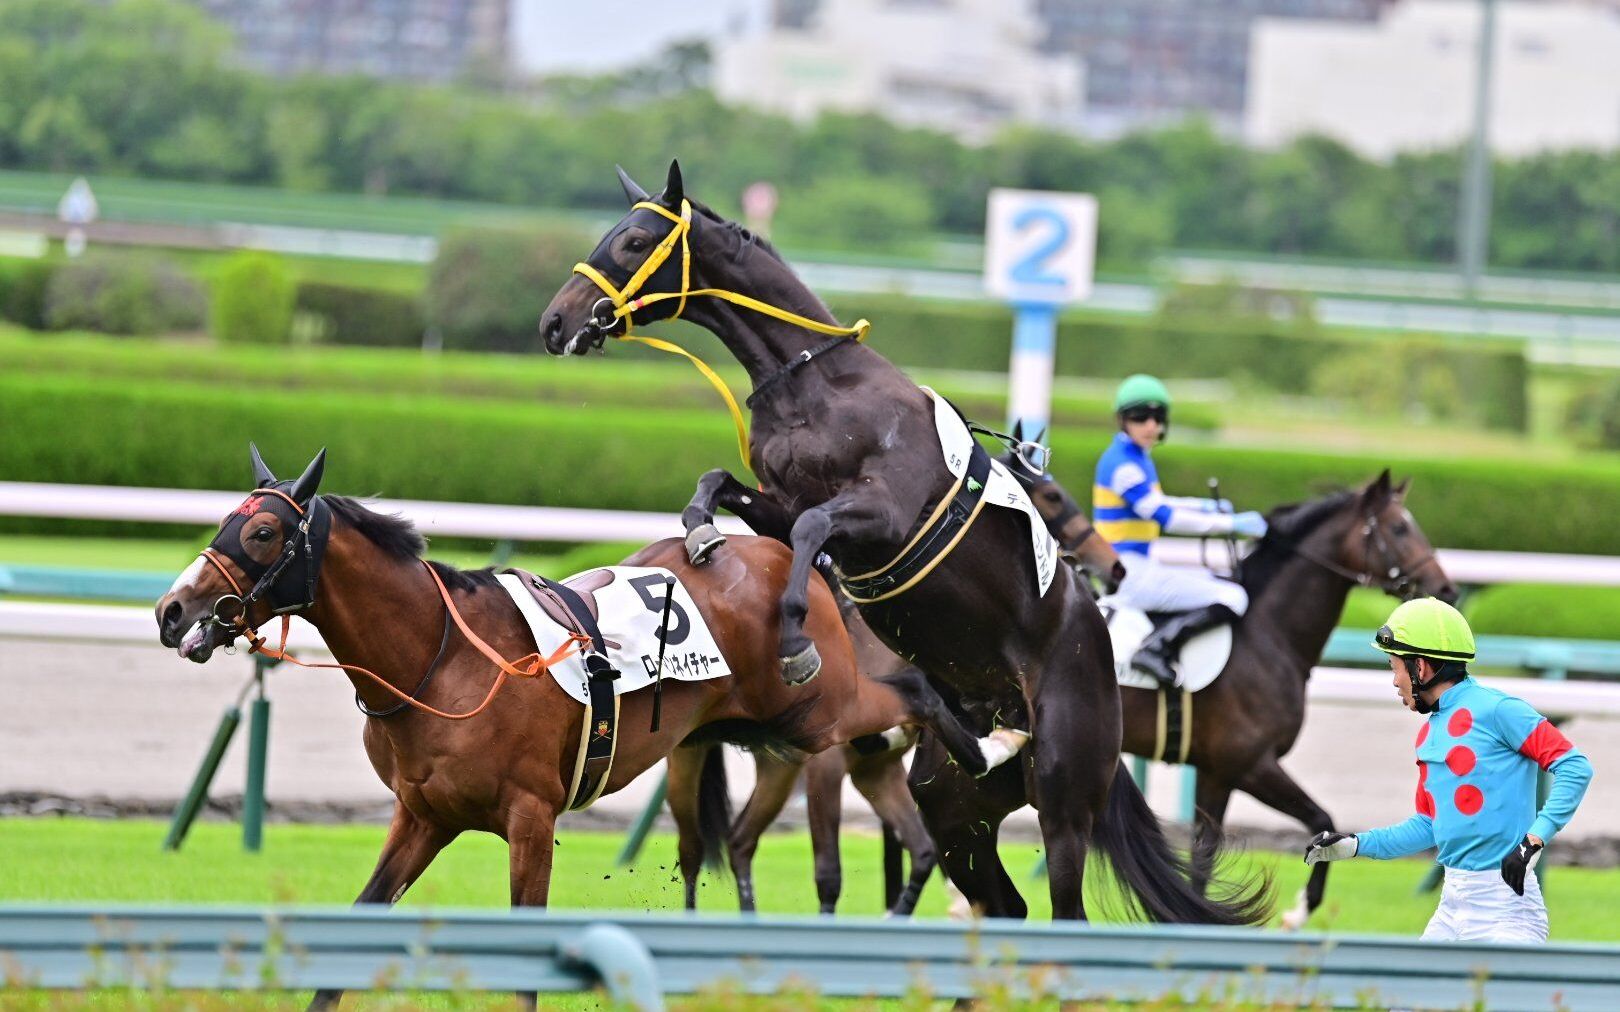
(773, 784)
(881, 779)
(964, 817)
(411, 846)
(824, 804)
(926, 707)
(1212, 794)
(685, 772)
(1271, 785)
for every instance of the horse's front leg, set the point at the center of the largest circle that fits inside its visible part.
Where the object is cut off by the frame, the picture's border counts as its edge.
(411, 846)
(718, 489)
(865, 513)
(530, 836)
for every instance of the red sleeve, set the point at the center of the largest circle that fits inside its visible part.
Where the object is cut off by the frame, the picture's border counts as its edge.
(1546, 744)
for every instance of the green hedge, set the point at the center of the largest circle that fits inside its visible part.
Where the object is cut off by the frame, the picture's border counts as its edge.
(23, 284)
(113, 432)
(1531, 609)
(252, 300)
(626, 378)
(346, 314)
(1493, 378)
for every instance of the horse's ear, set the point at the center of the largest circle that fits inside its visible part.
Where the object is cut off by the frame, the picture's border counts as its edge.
(1378, 491)
(1018, 430)
(674, 188)
(261, 473)
(1401, 489)
(1041, 437)
(632, 189)
(303, 489)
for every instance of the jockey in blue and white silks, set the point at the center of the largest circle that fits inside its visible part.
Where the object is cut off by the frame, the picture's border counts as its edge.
(1477, 757)
(1130, 510)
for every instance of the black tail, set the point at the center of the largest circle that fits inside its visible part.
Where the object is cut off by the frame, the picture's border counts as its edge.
(714, 809)
(1158, 878)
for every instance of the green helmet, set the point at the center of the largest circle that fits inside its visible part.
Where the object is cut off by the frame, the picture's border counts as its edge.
(1427, 627)
(1138, 390)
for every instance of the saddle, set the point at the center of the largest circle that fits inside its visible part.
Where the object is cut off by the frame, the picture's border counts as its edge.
(1202, 658)
(576, 610)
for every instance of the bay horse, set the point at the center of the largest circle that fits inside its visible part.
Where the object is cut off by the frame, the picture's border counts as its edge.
(850, 461)
(699, 800)
(1298, 577)
(503, 766)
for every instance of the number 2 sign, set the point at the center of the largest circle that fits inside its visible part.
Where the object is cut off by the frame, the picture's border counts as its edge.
(1040, 246)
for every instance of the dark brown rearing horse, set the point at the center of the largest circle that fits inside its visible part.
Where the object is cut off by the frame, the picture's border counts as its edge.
(697, 787)
(507, 770)
(850, 460)
(1297, 577)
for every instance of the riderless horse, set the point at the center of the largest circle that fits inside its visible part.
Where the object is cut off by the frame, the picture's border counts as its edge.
(949, 565)
(700, 803)
(429, 649)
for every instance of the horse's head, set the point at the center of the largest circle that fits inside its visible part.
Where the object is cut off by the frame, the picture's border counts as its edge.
(1065, 520)
(264, 561)
(1380, 543)
(646, 255)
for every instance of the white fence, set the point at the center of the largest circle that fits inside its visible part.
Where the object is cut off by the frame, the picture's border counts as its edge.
(550, 523)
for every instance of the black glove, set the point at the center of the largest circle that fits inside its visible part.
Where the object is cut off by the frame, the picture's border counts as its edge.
(1331, 847)
(1520, 861)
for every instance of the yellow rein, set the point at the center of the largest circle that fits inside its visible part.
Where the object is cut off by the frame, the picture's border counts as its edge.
(625, 304)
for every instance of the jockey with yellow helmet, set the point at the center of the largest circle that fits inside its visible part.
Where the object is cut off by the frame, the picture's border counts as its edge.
(1477, 757)
(1130, 510)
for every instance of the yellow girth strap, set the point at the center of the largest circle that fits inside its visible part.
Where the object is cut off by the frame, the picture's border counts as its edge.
(625, 304)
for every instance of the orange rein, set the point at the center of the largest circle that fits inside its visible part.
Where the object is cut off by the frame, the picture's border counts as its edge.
(531, 664)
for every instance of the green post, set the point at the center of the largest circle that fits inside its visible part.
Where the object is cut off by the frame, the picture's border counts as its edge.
(644, 822)
(1139, 772)
(186, 813)
(258, 750)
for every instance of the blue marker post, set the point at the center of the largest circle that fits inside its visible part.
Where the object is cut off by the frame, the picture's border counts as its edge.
(1034, 348)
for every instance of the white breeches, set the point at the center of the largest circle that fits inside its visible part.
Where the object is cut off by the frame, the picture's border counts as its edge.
(1152, 586)
(1477, 906)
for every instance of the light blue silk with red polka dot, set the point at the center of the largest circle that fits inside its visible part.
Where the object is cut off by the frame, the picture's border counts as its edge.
(1477, 757)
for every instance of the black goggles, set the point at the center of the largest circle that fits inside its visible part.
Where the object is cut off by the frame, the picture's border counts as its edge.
(1141, 413)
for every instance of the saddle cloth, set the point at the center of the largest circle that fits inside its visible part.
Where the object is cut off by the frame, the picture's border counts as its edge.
(1202, 658)
(1000, 489)
(628, 605)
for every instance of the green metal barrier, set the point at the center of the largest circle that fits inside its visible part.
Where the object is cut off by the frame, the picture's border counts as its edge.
(640, 957)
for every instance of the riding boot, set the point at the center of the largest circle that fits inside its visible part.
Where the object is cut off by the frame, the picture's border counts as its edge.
(1157, 654)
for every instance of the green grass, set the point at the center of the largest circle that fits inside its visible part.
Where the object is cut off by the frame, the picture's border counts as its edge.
(81, 860)
(72, 860)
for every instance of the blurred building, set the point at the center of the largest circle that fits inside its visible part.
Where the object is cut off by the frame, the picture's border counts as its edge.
(420, 40)
(1152, 61)
(1407, 81)
(965, 66)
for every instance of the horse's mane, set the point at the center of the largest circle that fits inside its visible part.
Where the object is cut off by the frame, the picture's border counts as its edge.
(741, 235)
(1287, 526)
(400, 539)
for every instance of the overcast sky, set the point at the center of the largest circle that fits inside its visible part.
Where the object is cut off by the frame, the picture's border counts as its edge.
(598, 36)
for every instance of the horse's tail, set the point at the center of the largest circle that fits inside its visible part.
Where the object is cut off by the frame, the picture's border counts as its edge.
(714, 809)
(1156, 878)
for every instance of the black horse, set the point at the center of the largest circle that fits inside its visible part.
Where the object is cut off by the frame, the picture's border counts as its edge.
(1297, 578)
(850, 462)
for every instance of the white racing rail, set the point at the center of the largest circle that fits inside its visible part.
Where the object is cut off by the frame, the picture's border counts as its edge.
(550, 523)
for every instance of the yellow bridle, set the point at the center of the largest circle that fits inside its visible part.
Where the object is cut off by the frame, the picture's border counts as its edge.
(626, 302)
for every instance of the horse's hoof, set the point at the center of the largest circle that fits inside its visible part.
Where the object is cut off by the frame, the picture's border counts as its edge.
(1295, 917)
(1002, 744)
(802, 666)
(959, 909)
(701, 541)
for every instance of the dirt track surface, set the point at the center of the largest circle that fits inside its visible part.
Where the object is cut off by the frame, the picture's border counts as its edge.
(131, 724)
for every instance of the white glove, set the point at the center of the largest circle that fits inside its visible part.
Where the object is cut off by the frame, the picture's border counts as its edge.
(1216, 505)
(1331, 847)
(1249, 524)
